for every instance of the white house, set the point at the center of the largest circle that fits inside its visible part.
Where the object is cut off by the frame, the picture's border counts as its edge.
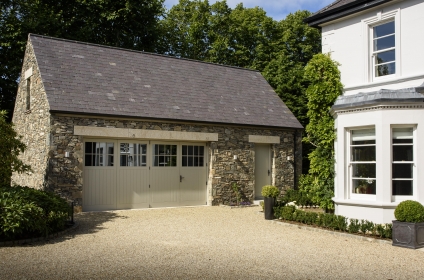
(379, 119)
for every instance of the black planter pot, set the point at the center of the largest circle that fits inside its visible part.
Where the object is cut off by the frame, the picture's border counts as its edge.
(269, 203)
(408, 235)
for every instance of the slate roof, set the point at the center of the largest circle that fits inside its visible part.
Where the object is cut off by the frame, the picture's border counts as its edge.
(386, 96)
(92, 79)
(341, 8)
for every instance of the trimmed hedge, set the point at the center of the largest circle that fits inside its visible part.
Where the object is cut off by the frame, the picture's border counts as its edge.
(27, 212)
(333, 222)
(410, 211)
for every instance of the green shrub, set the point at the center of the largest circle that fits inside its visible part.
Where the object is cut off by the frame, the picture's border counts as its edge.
(262, 204)
(29, 212)
(270, 191)
(287, 213)
(353, 226)
(388, 231)
(410, 211)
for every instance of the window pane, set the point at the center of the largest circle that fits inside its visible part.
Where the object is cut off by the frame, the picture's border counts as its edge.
(385, 69)
(384, 43)
(184, 161)
(403, 153)
(403, 133)
(384, 57)
(363, 170)
(184, 150)
(109, 148)
(196, 161)
(365, 153)
(201, 151)
(402, 187)
(109, 160)
(363, 136)
(144, 158)
(88, 160)
(173, 149)
(200, 161)
(190, 161)
(384, 29)
(401, 170)
(196, 150)
(402, 141)
(362, 186)
(123, 160)
(190, 150)
(88, 147)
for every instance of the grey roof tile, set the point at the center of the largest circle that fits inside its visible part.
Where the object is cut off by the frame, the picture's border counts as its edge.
(86, 78)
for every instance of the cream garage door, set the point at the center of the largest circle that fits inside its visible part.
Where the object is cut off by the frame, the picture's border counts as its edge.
(139, 174)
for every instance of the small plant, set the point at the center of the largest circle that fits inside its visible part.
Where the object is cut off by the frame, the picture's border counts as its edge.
(353, 226)
(270, 191)
(410, 211)
(236, 190)
(261, 203)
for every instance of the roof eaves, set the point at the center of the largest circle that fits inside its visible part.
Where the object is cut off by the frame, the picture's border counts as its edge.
(351, 8)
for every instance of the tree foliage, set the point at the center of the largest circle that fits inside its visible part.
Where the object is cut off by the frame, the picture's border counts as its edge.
(325, 86)
(10, 148)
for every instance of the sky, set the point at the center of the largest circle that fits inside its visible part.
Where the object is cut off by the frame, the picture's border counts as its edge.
(277, 9)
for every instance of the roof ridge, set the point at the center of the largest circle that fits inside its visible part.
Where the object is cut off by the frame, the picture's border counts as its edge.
(136, 51)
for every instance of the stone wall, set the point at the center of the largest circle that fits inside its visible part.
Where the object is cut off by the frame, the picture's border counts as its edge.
(33, 125)
(65, 173)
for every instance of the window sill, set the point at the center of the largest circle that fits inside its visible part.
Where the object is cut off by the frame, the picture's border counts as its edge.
(366, 203)
(387, 81)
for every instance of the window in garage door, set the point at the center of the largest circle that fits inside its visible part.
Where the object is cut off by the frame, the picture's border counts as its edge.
(193, 175)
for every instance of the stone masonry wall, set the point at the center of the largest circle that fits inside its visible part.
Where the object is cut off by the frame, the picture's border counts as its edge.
(33, 125)
(65, 174)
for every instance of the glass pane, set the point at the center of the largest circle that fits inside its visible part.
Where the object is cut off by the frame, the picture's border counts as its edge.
(190, 150)
(173, 161)
(402, 141)
(184, 150)
(123, 160)
(144, 160)
(402, 170)
(403, 133)
(201, 151)
(109, 147)
(156, 150)
(110, 160)
(173, 149)
(362, 186)
(402, 187)
(88, 160)
(143, 149)
(384, 43)
(363, 136)
(184, 161)
(196, 150)
(155, 161)
(403, 153)
(384, 57)
(385, 69)
(196, 161)
(363, 170)
(190, 161)
(88, 148)
(366, 153)
(200, 161)
(384, 29)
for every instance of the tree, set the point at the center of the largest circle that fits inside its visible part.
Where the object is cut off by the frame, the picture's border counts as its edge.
(10, 148)
(324, 88)
(128, 24)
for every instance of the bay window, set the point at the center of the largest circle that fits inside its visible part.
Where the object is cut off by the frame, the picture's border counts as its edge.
(402, 161)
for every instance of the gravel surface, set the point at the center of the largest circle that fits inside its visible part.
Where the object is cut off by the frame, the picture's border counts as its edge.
(203, 243)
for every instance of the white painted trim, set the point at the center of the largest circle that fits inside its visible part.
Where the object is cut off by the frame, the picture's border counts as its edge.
(112, 132)
(386, 82)
(263, 139)
(28, 73)
(368, 203)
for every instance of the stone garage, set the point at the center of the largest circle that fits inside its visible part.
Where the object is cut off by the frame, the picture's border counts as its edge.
(110, 128)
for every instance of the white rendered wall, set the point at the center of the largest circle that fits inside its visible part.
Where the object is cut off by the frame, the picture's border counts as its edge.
(380, 207)
(347, 40)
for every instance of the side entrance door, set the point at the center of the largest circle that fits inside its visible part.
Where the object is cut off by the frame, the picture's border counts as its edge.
(262, 168)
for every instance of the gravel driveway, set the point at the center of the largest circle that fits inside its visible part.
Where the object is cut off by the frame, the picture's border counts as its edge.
(203, 243)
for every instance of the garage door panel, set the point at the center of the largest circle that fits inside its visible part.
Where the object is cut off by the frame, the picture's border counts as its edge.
(193, 186)
(100, 189)
(133, 188)
(164, 187)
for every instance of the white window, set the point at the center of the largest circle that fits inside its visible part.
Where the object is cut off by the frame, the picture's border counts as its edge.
(402, 161)
(362, 161)
(384, 49)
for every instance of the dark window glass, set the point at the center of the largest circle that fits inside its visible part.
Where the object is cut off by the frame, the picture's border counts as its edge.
(403, 153)
(402, 187)
(363, 153)
(184, 161)
(88, 147)
(384, 43)
(200, 161)
(88, 160)
(363, 142)
(184, 150)
(384, 29)
(402, 141)
(384, 57)
(401, 170)
(201, 151)
(385, 69)
(363, 170)
(364, 186)
(190, 150)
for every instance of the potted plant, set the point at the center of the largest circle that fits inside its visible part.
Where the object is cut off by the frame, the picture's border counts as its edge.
(408, 228)
(269, 193)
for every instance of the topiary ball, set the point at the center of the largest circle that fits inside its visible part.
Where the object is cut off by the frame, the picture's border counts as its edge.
(410, 211)
(270, 191)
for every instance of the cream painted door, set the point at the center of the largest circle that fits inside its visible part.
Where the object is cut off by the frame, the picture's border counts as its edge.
(164, 175)
(132, 175)
(193, 175)
(262, 168)
(99, 176)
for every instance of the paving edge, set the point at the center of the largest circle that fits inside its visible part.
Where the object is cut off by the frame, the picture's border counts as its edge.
(31, 240)
(342, 234)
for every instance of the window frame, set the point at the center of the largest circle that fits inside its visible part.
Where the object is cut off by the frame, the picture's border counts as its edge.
(28, 94)
(369, 24)
(398, 198)
(351, 162)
